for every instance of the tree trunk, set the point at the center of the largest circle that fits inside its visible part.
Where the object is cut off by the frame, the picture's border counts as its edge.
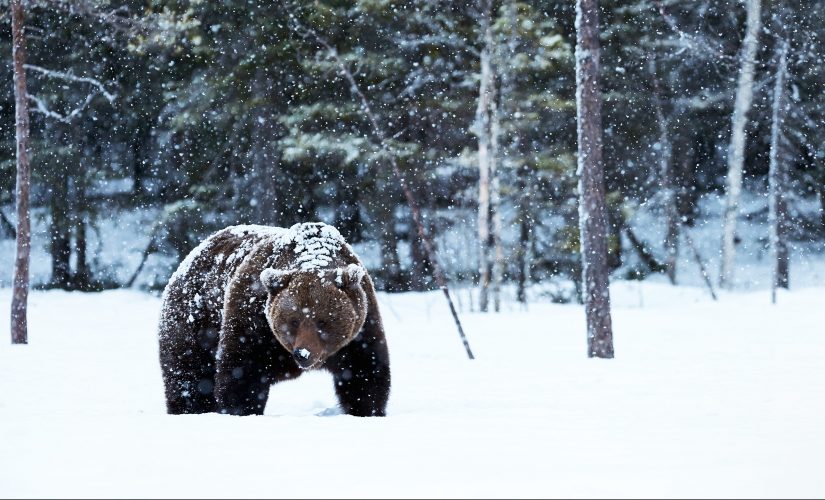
(508, 100)
(822, 205)
(20, 290)
(7, 227)
(495, 202)
(82, 279)
(523, 239)
(736, 149)
(591, 182)
(420, 266)
(263, 157)
(687, 196)
(700, 263)
(778, 178)
(60, 233)
(483, 122)
(390, 263)
(668, 183)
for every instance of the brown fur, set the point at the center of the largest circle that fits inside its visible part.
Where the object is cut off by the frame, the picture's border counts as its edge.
(226, 336)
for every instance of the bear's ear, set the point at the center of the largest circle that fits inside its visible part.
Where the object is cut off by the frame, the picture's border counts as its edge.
(275, 280)
(349, 276)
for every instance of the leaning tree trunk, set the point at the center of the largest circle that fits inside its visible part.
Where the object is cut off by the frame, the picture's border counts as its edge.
(778, 179)
(20, 290)
(736, 149)
(591, 182)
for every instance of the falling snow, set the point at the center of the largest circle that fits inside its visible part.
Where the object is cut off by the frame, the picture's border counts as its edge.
(441, 140)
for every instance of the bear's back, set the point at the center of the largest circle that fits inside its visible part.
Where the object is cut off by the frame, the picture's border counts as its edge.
(195, 292)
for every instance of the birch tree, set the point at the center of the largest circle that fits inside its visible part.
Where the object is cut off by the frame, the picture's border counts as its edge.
(487, 129)
(736, 148)
(592, 217)
(20, 290)
(778, 177)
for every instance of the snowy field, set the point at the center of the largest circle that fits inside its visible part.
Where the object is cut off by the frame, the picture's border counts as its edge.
(704, 399)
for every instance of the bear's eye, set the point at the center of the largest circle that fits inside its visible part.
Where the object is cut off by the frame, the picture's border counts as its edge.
(322, 323)
(293, 323)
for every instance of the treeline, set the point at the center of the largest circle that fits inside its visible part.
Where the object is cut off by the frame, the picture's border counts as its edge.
(237, 112)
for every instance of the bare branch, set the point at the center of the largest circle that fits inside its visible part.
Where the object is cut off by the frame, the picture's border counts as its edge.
(692, 41)
(72, 78)
(120, 18)
(43, 109)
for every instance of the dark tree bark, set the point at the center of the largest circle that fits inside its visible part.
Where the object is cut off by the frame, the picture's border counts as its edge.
(60, 233)
(822, 205)
(524, 180)
(20, 290)
(82, 279)
(592, 216)
(524, 220)
(7, 227)
(667, 180)
(421, 270)
(643, 250)
(390, 263)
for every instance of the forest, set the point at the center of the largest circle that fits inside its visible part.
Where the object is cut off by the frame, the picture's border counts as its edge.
(176, 118)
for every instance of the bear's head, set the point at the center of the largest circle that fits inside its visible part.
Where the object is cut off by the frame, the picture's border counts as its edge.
(314, 314)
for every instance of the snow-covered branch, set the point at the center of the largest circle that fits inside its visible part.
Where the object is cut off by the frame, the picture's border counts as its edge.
(691, 41)
(42, 108)
(72, 78)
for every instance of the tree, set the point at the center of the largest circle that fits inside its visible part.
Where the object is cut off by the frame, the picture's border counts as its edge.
(20, 291)
(666, 176)
(536, 123)
(778, 177)
(591, 183)
(736, 148)
(489, 225)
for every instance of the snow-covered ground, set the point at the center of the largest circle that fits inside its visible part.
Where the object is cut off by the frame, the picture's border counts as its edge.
(704, 399)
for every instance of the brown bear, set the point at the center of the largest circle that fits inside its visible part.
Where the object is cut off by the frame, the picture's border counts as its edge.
(255, 305)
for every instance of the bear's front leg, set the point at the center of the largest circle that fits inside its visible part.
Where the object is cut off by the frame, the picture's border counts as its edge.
(241, 382)
(361, 372)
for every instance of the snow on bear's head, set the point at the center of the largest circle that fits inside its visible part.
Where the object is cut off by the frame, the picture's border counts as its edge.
(314, 314)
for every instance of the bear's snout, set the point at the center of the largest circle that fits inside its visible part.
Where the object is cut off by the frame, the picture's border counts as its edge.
(307, 350)
(303, 357)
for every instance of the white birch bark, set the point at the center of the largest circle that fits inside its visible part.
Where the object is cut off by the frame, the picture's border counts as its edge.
(736, 149)
(778, 178)
(485, 160)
